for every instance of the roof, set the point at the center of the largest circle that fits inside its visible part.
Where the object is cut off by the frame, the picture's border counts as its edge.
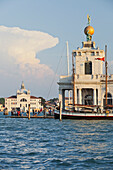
(12, 97)
(33, 97)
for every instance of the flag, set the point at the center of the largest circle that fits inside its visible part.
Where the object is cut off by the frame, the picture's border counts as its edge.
(102, 59)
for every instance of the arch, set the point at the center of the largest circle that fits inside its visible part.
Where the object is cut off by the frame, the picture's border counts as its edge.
(88, 67)
(23, 100)
(108, 95)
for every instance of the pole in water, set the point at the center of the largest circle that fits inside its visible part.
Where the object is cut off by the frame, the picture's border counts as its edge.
(29, 112)
(60, 111)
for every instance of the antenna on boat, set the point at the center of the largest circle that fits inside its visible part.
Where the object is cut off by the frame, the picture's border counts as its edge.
(67, 58)
(106, 66)
(73, 67)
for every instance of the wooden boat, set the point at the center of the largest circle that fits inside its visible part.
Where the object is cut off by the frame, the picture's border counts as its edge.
(83, 115)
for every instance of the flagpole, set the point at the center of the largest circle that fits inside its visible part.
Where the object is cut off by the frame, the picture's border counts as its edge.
(106, 66)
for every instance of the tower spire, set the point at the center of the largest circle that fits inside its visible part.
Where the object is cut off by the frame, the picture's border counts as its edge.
(89, 30)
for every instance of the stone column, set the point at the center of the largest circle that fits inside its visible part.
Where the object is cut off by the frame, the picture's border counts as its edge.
(80, 96)
(60, 96)
(63, 99)
(94, 97)
(75, 95)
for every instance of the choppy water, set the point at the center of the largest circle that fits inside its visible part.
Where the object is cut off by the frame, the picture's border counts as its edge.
(51, 144)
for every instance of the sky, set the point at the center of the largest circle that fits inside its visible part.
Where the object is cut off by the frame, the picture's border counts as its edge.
(33, 35)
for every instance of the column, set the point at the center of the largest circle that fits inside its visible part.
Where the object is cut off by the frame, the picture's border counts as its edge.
(60, 96)
(80, 96)
(75, 95)
(63, 99)
(94, 96)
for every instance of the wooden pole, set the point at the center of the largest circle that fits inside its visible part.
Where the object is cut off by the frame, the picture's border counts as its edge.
(29, 112)
(106, 66)
(60, 111)
(73, 80)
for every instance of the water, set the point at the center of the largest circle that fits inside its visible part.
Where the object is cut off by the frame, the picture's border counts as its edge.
(51, 144)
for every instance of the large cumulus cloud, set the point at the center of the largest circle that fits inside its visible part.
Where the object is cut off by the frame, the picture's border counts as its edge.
(18, 49)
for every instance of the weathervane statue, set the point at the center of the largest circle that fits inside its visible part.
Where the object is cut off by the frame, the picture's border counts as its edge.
(89, 30)
(89, 19)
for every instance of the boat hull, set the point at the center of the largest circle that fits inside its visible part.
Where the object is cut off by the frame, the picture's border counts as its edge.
(86, 116)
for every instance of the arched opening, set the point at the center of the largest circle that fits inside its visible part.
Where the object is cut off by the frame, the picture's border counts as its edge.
(23, 100)
(88, 67)
(109, 100)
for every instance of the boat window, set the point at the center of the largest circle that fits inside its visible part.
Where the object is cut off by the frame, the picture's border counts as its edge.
(109, 100)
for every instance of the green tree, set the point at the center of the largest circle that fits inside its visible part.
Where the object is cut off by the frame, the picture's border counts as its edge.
(2, 101)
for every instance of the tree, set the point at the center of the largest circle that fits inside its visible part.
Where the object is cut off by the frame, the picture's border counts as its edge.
(2, 101)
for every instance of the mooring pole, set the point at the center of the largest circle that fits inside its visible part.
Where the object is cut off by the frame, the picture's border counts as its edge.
(29, 112)
(60, 111)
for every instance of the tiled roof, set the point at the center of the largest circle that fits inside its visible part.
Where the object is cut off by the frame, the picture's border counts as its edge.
(33, 97)
(12, 97)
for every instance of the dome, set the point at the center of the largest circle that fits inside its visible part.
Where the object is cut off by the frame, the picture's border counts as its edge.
(89, 30)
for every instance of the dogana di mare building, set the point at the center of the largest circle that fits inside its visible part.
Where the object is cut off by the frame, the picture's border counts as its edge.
(89, 78)
(22, 99)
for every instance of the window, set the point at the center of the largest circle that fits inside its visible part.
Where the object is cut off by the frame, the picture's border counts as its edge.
(92, 53)
(88, 67)
(23, 100)
(97, 53)
(79, 53)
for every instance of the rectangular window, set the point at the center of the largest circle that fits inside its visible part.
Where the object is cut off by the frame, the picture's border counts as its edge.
(97, 53)
(88, 67)
(92, 53)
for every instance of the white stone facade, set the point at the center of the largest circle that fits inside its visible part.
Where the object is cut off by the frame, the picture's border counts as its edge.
(22, 100)
(89, 78)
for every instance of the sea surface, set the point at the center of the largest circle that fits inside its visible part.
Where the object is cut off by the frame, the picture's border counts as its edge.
(51, 144)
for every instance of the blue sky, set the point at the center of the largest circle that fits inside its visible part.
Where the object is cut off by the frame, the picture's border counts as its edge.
(64, 20)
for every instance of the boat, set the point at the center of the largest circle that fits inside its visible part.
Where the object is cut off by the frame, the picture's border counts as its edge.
(92, 107)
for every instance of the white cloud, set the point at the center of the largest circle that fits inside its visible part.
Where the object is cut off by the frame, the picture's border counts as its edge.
(18, 49)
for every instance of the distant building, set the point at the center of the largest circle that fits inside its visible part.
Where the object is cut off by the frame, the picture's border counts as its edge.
(22, 99)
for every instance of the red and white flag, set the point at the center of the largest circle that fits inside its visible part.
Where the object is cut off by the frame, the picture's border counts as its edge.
(102, 59)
